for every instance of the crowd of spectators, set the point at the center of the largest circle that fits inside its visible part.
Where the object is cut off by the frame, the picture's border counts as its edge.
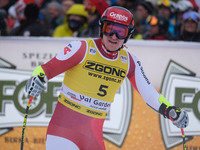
(154, 19)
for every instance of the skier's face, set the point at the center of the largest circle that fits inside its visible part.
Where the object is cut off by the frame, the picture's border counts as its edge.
(112, 43)
(114, 35)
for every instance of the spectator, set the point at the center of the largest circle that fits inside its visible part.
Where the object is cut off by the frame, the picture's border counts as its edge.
(5, 4)
(12, 18)
(158, 29)
(144, 10)
(20, 5)
(66, 4)
(189, 28)
(55, 10)
(95, 10)
(16, 11)
(45, 18)
(182, 7)
(131, 5)
(30, 26)
(3, 23)
(75, 21)
(167, 8)
(138, 28)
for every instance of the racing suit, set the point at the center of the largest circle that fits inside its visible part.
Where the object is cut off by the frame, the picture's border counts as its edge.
(92, 77)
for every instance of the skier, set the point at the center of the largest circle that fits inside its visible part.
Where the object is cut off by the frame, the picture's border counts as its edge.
(94, 71)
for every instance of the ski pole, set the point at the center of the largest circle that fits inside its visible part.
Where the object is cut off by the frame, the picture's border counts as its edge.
(183, 135)
(25, 120)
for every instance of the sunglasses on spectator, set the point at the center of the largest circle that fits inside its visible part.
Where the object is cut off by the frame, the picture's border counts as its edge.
(153, 21)
(191, 16)
(110, 29)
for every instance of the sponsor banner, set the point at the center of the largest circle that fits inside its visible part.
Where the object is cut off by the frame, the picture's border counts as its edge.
(130, 123)
(14, 100)
(28, 53)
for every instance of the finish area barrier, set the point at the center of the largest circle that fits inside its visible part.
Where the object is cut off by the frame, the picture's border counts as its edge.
(173, 68)
(28, 53)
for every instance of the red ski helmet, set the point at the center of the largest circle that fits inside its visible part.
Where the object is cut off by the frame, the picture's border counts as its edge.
(118, 15)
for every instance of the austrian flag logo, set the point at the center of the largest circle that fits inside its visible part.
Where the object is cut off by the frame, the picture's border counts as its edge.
(69, 50)
(66, 49)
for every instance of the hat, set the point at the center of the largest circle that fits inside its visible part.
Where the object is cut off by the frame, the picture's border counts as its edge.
(183, 6)
(167, 4)
(56, 4)
(78, 9)
(191, 15)
(31, 11)
(147, 5)
(164, 3)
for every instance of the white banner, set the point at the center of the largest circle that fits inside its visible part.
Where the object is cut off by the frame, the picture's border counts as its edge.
(28, 53)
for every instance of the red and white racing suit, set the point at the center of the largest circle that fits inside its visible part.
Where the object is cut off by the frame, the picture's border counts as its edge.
(92, 77)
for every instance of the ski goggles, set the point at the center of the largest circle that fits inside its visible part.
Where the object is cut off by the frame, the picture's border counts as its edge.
(165, 3)
(153, 21)
(191, 16)
(110, 28)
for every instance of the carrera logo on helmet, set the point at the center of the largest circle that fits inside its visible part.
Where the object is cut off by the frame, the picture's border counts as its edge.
(119, 16)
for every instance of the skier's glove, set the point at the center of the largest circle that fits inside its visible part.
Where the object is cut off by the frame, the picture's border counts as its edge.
(36, 83)
(178, 117)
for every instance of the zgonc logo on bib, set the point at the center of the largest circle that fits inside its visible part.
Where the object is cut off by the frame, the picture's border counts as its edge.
(119, 16)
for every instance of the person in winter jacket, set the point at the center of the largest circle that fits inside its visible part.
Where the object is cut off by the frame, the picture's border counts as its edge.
(74, 22)
(31, 25)
(167, 8)
(190, 28)
(181, 8)
(159, 28)
(95, 10)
